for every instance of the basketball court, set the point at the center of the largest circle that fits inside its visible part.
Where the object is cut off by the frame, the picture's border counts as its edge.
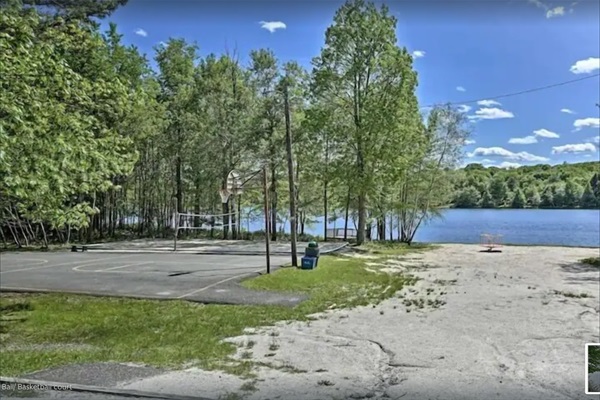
(196, 277)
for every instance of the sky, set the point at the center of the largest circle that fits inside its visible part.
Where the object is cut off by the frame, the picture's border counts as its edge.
(466, 52)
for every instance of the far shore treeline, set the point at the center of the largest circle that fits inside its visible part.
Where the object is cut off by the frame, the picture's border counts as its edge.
(537, 186)
(91, 135)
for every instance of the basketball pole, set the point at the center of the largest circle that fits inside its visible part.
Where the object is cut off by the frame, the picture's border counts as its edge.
(292, 184)
(176, 223)
(266, 207)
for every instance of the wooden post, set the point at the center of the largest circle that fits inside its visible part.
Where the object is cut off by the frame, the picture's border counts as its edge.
(267, 223)
(292, 185)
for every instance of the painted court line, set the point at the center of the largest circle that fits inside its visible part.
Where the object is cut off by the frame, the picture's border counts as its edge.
(111, 269)
(218, 283)
(64, 264)
(37, 260)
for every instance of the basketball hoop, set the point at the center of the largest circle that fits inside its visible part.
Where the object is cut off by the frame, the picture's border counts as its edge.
(234, 183)
(224, 193)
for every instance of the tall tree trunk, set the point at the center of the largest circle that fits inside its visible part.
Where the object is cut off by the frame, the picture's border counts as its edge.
(179, 185)
(325, 209)
(362, 218)
(3, 236)
(291, 180)
(346, 216)
(44, 236)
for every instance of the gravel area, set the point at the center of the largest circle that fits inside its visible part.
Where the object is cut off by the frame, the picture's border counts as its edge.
(504, 325)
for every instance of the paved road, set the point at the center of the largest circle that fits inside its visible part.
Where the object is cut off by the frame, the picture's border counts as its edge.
(196, 277)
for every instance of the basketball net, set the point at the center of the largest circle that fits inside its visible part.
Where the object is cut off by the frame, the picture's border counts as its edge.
(224, 193)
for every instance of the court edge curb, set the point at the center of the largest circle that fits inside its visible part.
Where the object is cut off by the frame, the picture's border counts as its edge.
(95, 389)
(134, 297)
(215, 253)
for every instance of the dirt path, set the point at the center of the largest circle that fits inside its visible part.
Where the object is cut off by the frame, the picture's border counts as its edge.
(478, 325)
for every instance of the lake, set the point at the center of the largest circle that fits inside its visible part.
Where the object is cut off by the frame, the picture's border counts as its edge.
(539, 227)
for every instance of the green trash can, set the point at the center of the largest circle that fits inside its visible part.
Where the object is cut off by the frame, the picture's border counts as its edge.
(312, 250)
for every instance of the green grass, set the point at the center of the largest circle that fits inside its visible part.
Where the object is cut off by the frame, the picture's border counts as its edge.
(593, 261)
(172, 333)
(36, 248)
(572, 295)
(394, 248)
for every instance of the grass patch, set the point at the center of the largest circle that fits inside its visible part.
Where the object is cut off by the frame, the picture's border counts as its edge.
(572, 295)
(333, 284)
(36, 248)
(35, 330)
(593, 261)
(394, 248)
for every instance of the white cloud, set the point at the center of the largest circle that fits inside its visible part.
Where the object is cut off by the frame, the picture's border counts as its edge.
(468, 141)
(538, 4)
(523, 140)
(567, 111)
(555, 12)
(574, 148)
(418, 53)
(545, 133)
(272, 26)
(141, 32)
(508, 165)
(586, 66)
(461, 89)
(488, 103)
(501, 152)
(586, 123)
(463, 108)
(491, 113)
(595, 139)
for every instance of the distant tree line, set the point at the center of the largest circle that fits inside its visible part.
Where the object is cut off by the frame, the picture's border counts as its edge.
(538, 186)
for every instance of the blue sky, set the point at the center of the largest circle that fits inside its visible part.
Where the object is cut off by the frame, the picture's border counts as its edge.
(464, 50)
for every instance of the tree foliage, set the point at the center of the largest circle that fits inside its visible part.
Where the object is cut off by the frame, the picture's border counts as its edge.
(60, 117)
(94, 143)
(538, 186)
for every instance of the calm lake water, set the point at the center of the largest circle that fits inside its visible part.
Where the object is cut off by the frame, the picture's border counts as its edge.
(549, 227)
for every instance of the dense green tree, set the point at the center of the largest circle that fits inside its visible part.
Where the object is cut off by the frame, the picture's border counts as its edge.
(534, 198)
(563, 184)
(499, 191)
(573, 193)
(588, 198)
(427, 188)
(558, 194)
(467, 198)
(363, 72)
(595, 184)
(59, 119)
(487, 201)
(547, 198)
(512, 183)
(519, 200)
(77, 9)
(176, 62)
